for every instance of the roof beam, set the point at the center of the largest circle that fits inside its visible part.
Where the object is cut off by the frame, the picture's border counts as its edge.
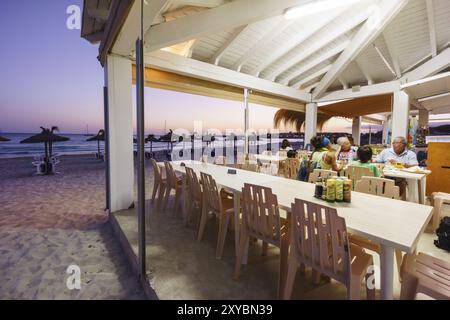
(431, 27)
(308, 88)
(393, 55)
(301, 36)
(429, 68)
(312, 76)
(364, 91)
(200, 3)
(364, 71)
(380, 54)
(218, 55)
(325, 56)
(343, 82)
(385, 12)
(124, 45)
(226, 17)
(318, 43)
(167, 61)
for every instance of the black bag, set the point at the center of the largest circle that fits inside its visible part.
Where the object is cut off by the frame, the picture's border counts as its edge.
(443, 233)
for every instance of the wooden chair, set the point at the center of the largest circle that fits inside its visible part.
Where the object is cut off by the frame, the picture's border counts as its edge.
(173, 183)
(291, 166)
(438, 199)
(220, 160)
(250, 166)
(319, 240)
(195, 193)
(355, 173)
(261, 220)
(324, 174)
(378, 186)
(425, 274)
(221, 204)
(160, 181)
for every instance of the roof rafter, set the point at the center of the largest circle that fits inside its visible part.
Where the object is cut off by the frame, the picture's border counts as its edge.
(429, 68)
(219, 53)
(431, 27)
(226, 17)
(364, 71)
(313, 76)
(385, 12)
(393, 55)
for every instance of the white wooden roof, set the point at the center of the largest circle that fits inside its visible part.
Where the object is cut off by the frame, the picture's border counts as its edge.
(376, 44)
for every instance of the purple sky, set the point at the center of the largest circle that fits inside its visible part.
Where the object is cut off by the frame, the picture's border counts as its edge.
(50, 76)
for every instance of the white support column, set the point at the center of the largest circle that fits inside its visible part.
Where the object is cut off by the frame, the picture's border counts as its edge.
(310, 121)
(356, 130)
(424, 117)
(384, 139)
(400, 114)
(120, 124)
(246, 120)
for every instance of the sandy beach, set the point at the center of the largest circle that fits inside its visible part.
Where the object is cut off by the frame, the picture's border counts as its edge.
(50, 222)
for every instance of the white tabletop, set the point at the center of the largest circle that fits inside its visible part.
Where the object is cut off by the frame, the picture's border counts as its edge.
(394, 223)
(267, 158)
(396, 173)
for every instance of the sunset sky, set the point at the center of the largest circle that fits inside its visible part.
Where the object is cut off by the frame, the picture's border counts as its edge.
(50, 76)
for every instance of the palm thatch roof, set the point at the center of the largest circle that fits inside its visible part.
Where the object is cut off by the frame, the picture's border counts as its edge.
(296, 119)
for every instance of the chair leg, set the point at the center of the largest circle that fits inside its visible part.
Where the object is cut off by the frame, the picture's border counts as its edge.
(437, 212)
(265, 247)
(399, 259)
(284, 258)
(370, 283)
(290, 278)
(161, 192)
(223, 228)
(354, 291)
(177, 200)
(316, 277)
(155, 190)
(201, 228)
(409, 287)
(166, 197)
(243, 244)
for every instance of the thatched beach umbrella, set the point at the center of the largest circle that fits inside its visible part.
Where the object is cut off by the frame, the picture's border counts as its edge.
(151, 138)
(99, 137)
(47, 137)
(3, 139)
(295, 118)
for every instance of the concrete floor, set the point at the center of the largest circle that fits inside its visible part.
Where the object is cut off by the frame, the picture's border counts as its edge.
(180, 267)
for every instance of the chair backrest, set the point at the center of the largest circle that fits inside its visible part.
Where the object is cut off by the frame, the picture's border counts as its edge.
(320, 240)
(211, 192)
(291, 166)
(170, 174)
(250, 166)
(194, 185)
(267, 152)
(260, 213)
(378, 186)
(220, 160)
(204, 158)
(240, 158)
(156, 170)
(355, 173)
(324, 174)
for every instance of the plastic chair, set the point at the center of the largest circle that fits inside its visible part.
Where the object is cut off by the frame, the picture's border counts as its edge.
(195, 192)
(173, 183)
(159, 182)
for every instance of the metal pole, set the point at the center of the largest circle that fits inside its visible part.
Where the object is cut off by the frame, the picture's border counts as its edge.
(106, 121)
(246, 124)
(140, 147)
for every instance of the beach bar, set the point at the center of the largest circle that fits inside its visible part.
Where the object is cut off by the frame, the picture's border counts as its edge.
(385, 62)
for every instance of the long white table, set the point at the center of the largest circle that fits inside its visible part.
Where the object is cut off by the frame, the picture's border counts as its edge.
(394, 224)
(270, 158)
(416, 183)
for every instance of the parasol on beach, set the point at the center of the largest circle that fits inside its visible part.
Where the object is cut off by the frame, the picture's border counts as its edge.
(99, 137)
(47, 137)
(3, 139)
(151, 138)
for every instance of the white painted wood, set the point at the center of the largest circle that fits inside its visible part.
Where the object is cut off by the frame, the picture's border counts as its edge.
(429, 68)
(424, 118)
(315, 75)
(270, 158)
(216, 57)
(356, 130)
(174, 63)
(125, 42)
(343, 82)
(386, 62)
(365, 91)
(120, 112)
(387, 272)
(400, 114)
(393, 54)
(384, 138)
(431, 27)
(365, 71)
(308, 88)
(226, 17)
(200, 3)
(246, 120)
(310, 122)
(327, 55)
(383, 15)
(317, 44)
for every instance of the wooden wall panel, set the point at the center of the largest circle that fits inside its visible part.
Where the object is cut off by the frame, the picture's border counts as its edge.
(439, 164)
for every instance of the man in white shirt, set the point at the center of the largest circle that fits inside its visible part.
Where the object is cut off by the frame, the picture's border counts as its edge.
(398, 153)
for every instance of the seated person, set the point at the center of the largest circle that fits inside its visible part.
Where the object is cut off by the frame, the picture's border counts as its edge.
(345, 151)
(286, 145)
(323, 154)
(398, 153)
(365, 159)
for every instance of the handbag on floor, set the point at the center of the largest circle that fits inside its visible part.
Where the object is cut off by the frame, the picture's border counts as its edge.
(443, 233)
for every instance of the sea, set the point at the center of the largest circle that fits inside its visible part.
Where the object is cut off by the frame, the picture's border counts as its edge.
(78, 145)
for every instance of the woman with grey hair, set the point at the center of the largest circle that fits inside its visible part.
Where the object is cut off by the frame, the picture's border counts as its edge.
(345, 151)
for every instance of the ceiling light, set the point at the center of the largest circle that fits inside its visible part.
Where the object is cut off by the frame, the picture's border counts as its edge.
(316, 7)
